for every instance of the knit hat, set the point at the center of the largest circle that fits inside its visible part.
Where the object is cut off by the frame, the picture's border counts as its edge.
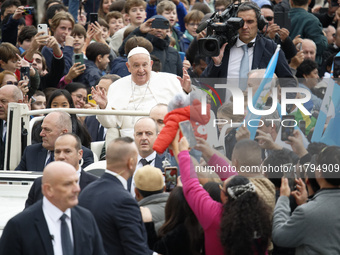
(149, 178)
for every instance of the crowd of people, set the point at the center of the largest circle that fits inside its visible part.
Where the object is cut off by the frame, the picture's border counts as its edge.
(146, 56)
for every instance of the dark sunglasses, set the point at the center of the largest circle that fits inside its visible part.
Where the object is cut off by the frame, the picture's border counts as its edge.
(269, 18)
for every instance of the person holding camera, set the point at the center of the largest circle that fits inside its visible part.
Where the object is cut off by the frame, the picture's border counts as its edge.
(155, 30)
(251, 51)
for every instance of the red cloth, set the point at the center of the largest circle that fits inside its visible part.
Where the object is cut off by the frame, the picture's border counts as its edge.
(172, 119)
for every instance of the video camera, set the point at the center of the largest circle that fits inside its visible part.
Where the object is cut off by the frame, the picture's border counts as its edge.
(220, 29)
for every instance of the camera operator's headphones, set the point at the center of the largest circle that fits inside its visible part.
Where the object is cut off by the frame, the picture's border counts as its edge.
(261, 21)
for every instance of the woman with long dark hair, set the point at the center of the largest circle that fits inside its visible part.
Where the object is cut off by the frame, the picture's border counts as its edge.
(245, 223)
(181, 233)
(249, 233)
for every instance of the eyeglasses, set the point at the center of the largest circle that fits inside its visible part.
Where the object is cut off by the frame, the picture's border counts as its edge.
(12, 83)
(219, 9)
(193, 24)
(269, 18)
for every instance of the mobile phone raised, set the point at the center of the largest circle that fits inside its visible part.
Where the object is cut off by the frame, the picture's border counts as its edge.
(93, 17)
(90, 99)
(43, 28)
(188, 132)
(160, 23)
(78, 58)
(287, 128)
(28, 10)
(171, 174)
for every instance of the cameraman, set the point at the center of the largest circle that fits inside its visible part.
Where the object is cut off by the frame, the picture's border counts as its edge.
(260, 50)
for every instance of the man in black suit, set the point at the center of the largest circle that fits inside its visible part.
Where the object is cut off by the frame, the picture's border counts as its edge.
(36, 156)
(67, 148)
(259, 50)
(8, 94)
(47, 226)
(116, 212)
(145, 132)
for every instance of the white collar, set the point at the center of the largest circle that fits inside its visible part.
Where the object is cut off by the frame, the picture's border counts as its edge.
(52, 211)
(152, 156)
(119, 177)
(239, 43)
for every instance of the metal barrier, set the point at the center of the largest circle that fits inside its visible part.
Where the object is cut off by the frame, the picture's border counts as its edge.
(19, 128)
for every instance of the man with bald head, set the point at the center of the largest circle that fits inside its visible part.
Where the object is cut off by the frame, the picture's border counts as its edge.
(145, 134)
(116, 212)
(55, 224)
(309, 49)
(158, 113)
(139, 91)
(8, 94)
(37, 156)
(67, 148)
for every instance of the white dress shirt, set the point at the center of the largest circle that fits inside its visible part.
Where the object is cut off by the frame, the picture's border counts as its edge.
(152, 157)
(52, 215)
(119, 177)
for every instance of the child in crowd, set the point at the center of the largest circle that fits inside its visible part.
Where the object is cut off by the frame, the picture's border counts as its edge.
(135, 10)
(115, 21)
(191, 20)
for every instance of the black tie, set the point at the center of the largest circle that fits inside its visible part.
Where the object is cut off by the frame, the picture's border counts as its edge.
(65, 237)
(145, 162)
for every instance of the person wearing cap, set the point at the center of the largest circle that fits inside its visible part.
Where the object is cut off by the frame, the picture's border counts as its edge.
(140, 91)
(150, 193)
(155, 30)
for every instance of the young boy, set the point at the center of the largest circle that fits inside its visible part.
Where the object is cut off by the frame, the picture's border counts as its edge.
(9, 60)
(97, 61)
(115, 21)
(135, 10)
(79, 35)
(105, 29)
(169, 10)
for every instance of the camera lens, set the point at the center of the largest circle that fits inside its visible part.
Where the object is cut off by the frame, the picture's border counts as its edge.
(210, 45)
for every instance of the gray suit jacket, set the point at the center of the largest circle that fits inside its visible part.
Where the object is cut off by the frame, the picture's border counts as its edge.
(313, 228)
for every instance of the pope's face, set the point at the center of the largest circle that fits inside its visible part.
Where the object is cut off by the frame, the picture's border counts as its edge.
(140, 66)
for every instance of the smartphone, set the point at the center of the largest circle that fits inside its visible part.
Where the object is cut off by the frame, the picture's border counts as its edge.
(171, 174)
(78, 58)
(288, 130)
(43, 28)
(93, 17)
(28, 10)
(302, 126)
(188, 132)
(90, 99)
(290, 175)
(160, 23)
(336, 67)
(282, 20)
(25, 74)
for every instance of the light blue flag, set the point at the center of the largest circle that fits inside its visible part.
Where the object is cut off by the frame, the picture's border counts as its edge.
(329, 113)
(262, 94)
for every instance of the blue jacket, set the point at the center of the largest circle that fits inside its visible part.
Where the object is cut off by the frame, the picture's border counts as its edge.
(68, 55)
(91, 75)
(119, 67)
